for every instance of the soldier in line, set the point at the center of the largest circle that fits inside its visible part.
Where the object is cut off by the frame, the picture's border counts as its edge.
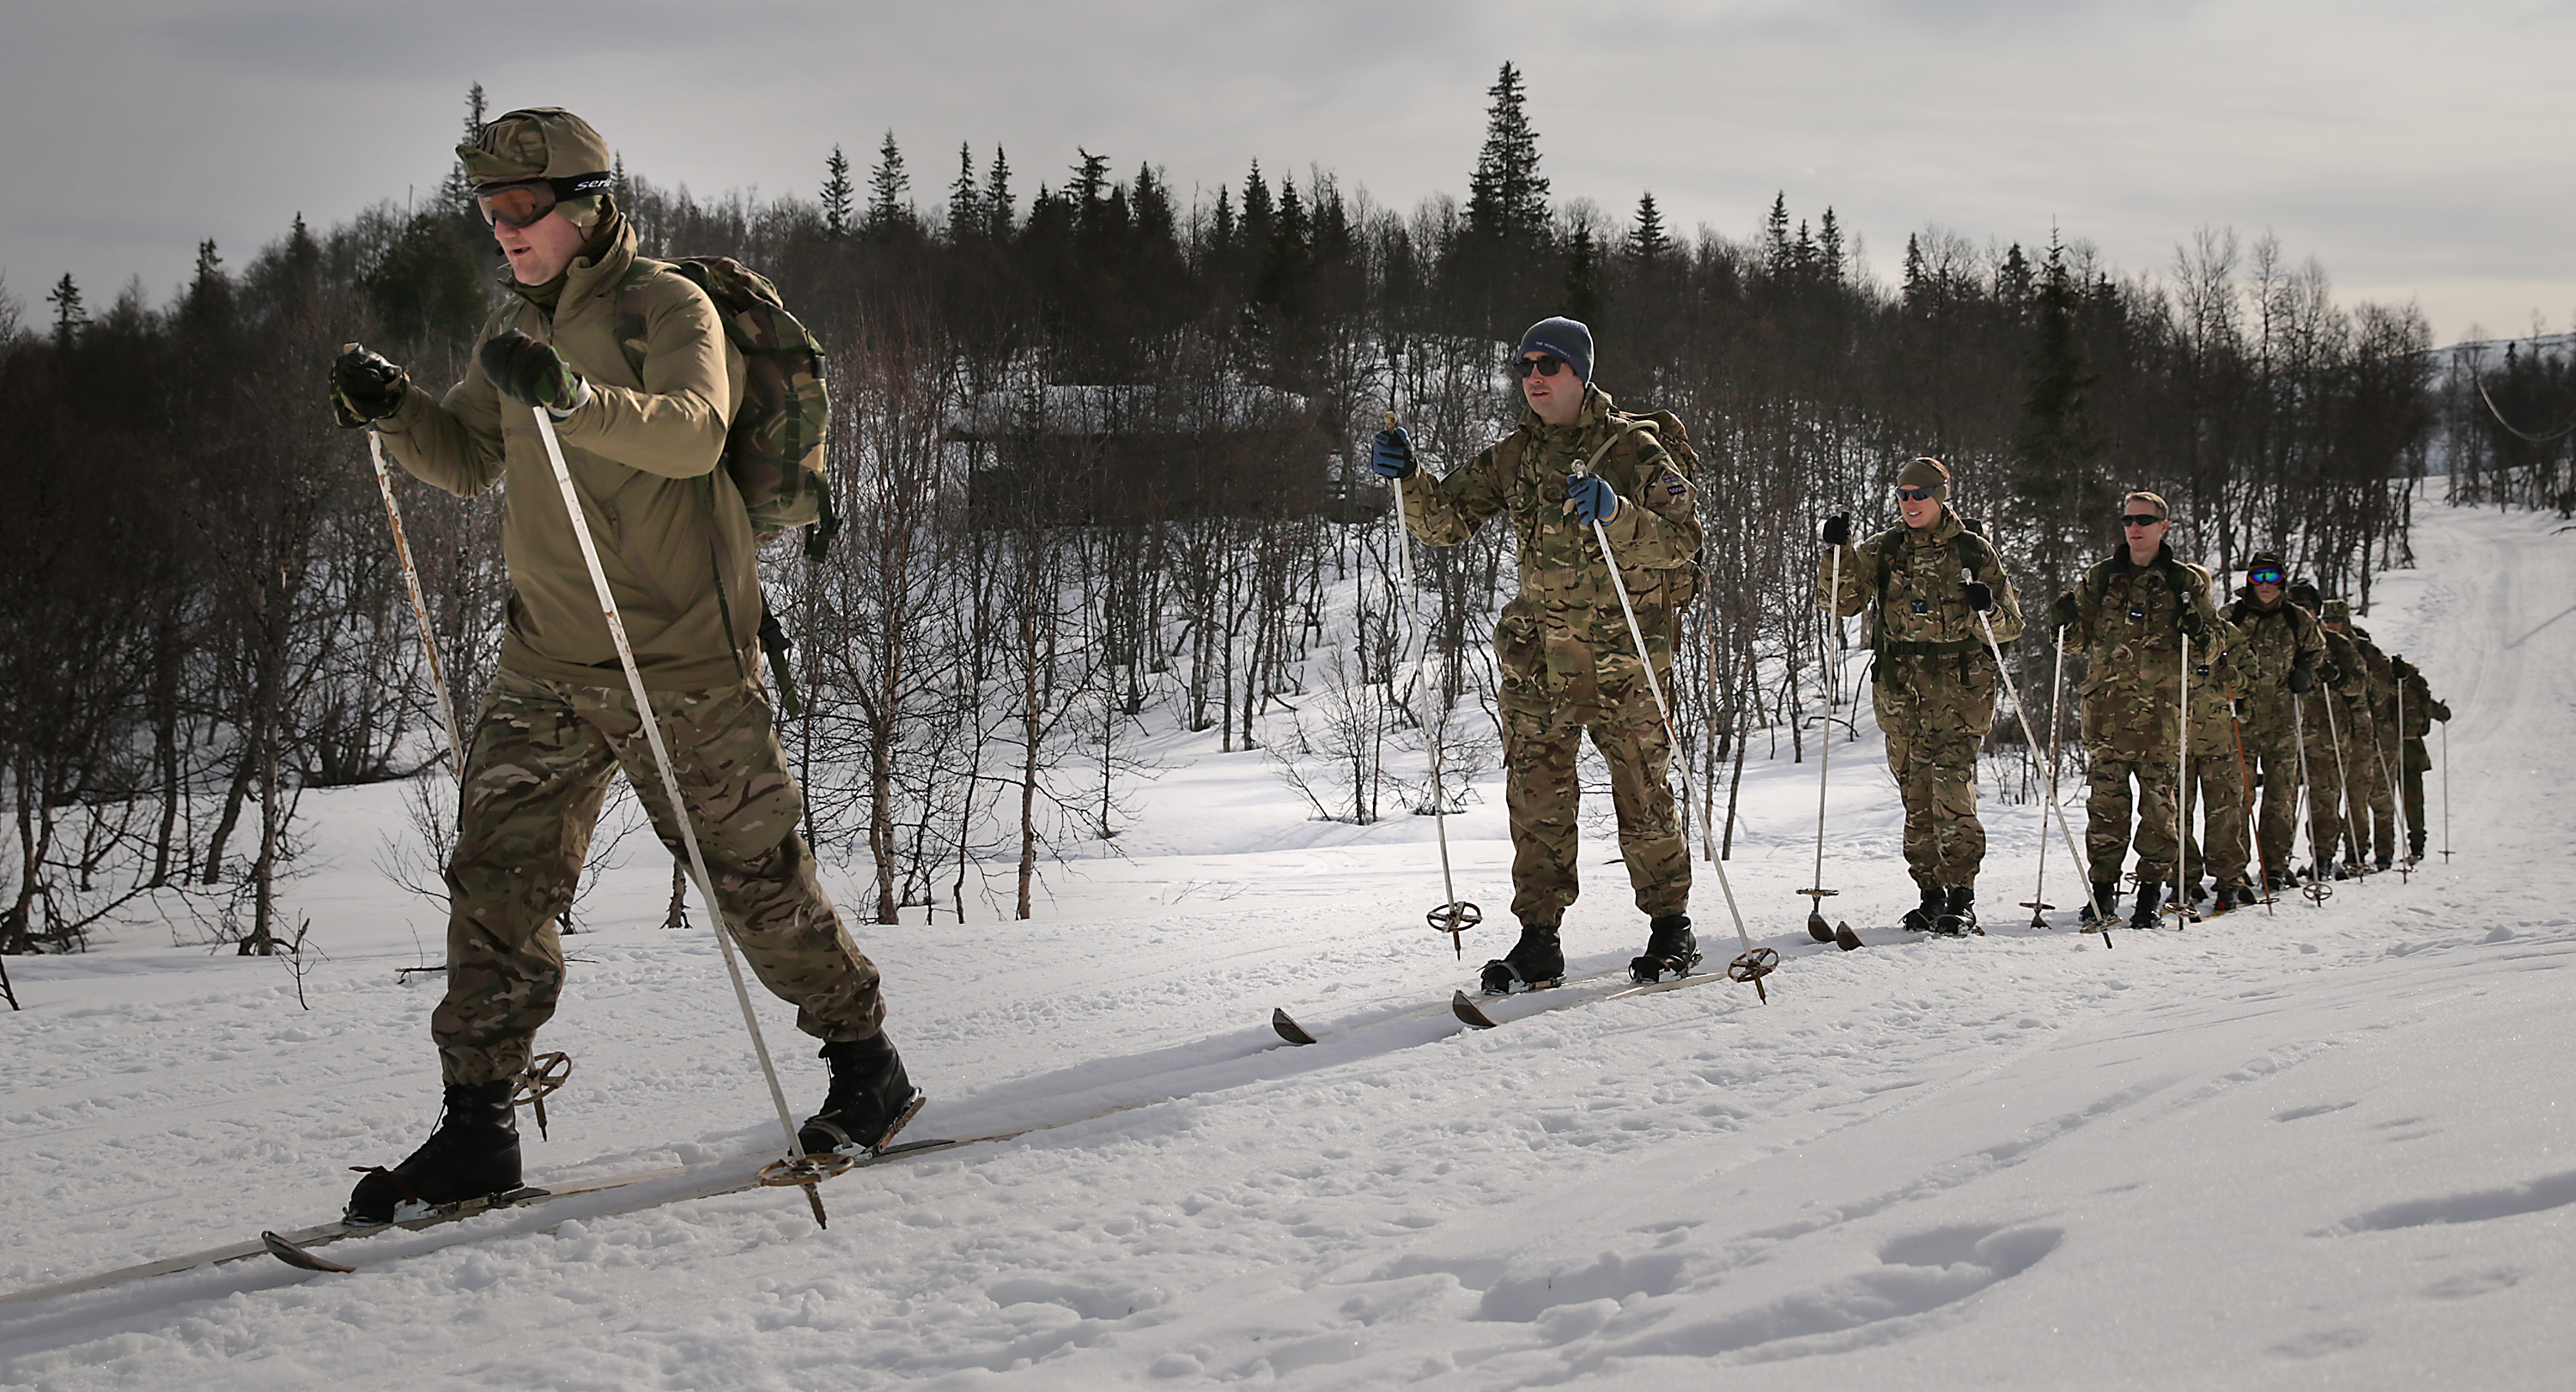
(2129, 616)
(2276, 650)
(1567, 661)
(2326, 716)
(1933, 678)
(643, 444)
(2374, 801)
(2214, 775)
(2417, 710)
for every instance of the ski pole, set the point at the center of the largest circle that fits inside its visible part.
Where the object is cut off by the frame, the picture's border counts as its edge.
(1755, 963)
(2315, 890)
(2446, 792)
(800, 1169)
(2254, 823)
(2343, 772)
(2179, 905)
(1457, 915)
(2039, 904)
(2396, 788)
(419, 606)
(2024, 717)
(1817, 928)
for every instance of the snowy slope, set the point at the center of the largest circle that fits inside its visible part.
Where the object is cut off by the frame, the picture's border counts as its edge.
(2325, 1146)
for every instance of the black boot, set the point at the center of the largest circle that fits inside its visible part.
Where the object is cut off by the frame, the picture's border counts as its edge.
(2104, 907)
(2151, 896)
(870, 1100)
(1919, 918)
(1958, 916)
(1535, 963)
(1671, 951)
(2191, 890)
(2232, 897)
(473, 1153)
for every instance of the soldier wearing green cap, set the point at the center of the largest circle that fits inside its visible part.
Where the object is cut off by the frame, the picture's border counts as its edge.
(1934, 586)
(1568, 664)
(2276, 650)
(629, 362)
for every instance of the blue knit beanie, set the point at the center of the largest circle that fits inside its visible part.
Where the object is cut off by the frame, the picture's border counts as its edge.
(1565, 338)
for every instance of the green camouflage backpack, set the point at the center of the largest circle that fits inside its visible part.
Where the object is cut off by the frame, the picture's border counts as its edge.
(774, 453)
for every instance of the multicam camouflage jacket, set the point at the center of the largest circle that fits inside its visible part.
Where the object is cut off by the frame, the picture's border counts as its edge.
(2128, 623)
(1919, 578)
(2383, 676)
(2270, 639)
(1562, 638)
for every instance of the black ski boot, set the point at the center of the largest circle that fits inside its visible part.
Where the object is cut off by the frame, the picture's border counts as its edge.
(1671, 951)
(2381, 864)
(1535, 963)
(1958, 916)
(1919, 918)
(2151, 897)
(870, 1100)
(2190, 891)
(2231, 898)
(473, 1153)
(2103, 907)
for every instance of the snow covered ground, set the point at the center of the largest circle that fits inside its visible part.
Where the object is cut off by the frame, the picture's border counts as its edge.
(2318, 1147)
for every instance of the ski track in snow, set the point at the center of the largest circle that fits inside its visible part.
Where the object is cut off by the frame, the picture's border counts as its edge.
(2315, 1147)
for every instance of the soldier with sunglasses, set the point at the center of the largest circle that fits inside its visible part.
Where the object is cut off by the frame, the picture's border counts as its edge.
(2277, 649)
(2129, 616)
(1936, 585)
(1568, 664)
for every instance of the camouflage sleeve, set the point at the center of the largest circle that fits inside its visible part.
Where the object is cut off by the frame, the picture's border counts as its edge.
(2310, 644)
(2006, 619)
(453, 443)
(1447, 511)
(1859, 573)
(675, 427)
(2088, 609)
(1661, 526)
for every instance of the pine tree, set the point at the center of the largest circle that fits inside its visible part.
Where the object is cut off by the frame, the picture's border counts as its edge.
(1829, 249)
(1155, 222)
(1775, 237)
(998, 210)
(69, 317)
(965, 202)
(1506, 196)
(837, 191)
(207, 308)
(2058, 450)
(1647, 240)
(889, 208)
(1583, 276)
(457, 193)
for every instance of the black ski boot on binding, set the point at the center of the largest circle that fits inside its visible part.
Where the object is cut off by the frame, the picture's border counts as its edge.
(1919, 918)
(2151, 897)
(870, 1100)
(473, 1153)
(1671, 951)
(2104, 907)
(1535, 963)
(1958, 916)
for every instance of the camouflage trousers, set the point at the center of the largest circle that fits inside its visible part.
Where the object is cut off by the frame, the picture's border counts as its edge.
(1934, 711)
(2373, 801)
(2325, 784)
(2218, 784)
(2131, 737)
(537, 770)
(2418, 763)
(1540, 791)
(2272, 761)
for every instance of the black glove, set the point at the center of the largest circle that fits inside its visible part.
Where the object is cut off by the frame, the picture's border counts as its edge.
(2062, 614)
(1838, 529)
(533, 374)
(2331, 674)
(2191, 623)
(1391, 454)
(365, 386)
(1981, 596)
(2404, 670)
(2302, 681)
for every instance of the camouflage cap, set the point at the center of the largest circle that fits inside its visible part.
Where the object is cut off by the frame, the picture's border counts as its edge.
(2335, 611)
(537, 142)
(1926, 472)
(2303, 593)
(2268, 560)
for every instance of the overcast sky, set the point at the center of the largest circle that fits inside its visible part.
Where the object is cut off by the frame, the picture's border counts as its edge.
(2418, 151)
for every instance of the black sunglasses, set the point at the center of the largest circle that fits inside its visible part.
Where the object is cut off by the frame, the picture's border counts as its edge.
(1543, 365)
(1914, 495)
(2140, 519)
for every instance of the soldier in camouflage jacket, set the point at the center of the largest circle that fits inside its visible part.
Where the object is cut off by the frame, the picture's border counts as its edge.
(2417, 709)
(1934, 586)
(2276, 649)
(2375, 750)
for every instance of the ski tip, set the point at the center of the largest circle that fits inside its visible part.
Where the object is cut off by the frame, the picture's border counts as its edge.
(1816, 928)
(295, 1256)
(1289, 1029)
(1845, 938)
(1468, 1012)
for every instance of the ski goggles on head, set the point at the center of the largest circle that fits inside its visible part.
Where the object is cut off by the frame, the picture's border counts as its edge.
(1545, 365)
(523, 203)
(2268, 575)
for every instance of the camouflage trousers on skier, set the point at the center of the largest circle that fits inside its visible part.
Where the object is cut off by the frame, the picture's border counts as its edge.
(2220, 851)
(2373, 801)
(2325, 782)
(2272, 761)
(1935, 710)
(1540, 793)
(2418, 763)
(2131, 740)
(537, 770)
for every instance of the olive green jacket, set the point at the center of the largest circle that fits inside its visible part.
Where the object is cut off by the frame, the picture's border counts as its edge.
(643, 453)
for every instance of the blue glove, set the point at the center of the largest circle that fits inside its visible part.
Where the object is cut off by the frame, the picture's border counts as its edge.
(1593, 498)
(1391, 454)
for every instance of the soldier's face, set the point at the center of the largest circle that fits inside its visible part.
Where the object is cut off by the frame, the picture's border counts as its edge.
(1918, 507)
(539, 251)
(2265, 592)
(1557, 398)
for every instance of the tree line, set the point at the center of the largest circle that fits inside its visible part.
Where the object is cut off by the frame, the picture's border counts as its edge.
(1099, 452)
